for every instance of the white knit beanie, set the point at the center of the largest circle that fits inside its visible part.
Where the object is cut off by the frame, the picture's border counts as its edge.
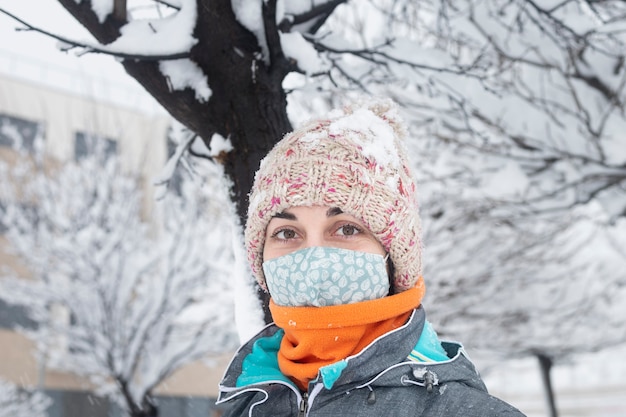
(353, 159)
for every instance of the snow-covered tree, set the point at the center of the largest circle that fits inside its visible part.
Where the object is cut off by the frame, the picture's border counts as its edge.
(122, 295)
(511, 284)
(537, 83)
(16, 402)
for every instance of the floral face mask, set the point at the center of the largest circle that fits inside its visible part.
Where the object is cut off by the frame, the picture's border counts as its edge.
(326, 276)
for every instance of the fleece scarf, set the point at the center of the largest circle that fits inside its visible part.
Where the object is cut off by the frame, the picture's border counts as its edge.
(319, 336)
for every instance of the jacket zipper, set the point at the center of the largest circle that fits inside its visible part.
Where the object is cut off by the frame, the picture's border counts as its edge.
(304, 405)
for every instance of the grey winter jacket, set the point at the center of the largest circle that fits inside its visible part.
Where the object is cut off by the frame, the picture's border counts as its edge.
(377, 382)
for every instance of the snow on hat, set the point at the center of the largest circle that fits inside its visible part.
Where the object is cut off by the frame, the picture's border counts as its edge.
(353, 159)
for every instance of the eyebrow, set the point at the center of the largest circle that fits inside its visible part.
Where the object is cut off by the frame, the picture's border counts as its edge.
(333, 211)
(283, 215)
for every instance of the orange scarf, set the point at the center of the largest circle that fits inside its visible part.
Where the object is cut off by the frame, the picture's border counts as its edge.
(319, 336)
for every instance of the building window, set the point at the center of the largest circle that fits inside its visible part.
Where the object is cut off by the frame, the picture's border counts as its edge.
(88, 144)
(19, 133)
(12, 316)
(81, 404)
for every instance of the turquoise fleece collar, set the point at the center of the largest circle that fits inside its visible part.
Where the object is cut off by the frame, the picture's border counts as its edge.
(428, 347)
(261, 365)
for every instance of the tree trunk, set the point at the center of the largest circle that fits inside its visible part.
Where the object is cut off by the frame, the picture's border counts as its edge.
(248, 105)
(151, 412)
(545, 366)
(147, 408)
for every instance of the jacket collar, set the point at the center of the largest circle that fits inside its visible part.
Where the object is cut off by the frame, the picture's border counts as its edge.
(382, 363)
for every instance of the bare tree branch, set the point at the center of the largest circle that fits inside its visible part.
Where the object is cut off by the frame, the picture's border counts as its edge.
(316, 16)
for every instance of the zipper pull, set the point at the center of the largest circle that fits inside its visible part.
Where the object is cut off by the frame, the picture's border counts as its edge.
(304, 405)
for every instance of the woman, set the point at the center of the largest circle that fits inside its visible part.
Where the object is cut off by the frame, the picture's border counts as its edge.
(333, 233)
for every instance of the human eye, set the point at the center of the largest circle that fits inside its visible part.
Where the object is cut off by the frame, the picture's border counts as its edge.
(348, 229)
(284, 234)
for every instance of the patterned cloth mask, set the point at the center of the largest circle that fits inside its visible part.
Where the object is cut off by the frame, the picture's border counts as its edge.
(325, 276)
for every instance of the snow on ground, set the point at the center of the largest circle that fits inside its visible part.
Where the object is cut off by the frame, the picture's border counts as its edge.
(594, 386)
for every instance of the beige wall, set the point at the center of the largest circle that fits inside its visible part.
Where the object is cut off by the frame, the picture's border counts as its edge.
(196, 378)
(141, 137)
(18, 364)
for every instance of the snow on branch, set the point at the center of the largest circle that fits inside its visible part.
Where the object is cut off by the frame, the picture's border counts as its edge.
(310, 19)
(120, 49)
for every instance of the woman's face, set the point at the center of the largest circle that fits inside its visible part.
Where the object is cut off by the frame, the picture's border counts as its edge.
(302, 227)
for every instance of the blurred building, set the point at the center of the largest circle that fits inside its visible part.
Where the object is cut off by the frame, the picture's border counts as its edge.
(66, 119)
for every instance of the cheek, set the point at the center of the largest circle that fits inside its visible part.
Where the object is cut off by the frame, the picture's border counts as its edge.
(266, 254)
(273, 250)
(371, 245)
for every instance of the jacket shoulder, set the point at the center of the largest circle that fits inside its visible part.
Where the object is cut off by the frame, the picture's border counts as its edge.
(459, 399)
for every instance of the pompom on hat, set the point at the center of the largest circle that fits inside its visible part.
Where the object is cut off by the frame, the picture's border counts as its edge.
(353, 159)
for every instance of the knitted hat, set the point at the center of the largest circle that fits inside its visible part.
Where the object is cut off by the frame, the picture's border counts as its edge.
(352, 159)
